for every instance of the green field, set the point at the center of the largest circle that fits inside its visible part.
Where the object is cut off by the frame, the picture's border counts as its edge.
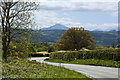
(107, 63)
(22, 68)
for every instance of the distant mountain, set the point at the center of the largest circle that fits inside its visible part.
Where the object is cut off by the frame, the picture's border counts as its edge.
(53, 33)
(98, 30)
(56, 27)
(112, 31)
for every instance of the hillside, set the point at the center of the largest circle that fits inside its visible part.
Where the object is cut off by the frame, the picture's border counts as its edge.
(101, 38)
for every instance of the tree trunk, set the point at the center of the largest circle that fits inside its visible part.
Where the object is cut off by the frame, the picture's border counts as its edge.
(4, 49)
(6, 31)
(4, 53)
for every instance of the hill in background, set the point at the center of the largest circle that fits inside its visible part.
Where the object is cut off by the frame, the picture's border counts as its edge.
(53, 33)
(56, 27)
(101, 38)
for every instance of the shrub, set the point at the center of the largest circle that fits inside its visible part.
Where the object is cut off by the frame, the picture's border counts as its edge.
(46, 55)
(118, 46)
(39, 50)
(103, 54)
(36, 55)
(51, 49)
(100, 47)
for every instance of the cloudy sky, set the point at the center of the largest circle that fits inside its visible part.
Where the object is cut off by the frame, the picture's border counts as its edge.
(90, 14)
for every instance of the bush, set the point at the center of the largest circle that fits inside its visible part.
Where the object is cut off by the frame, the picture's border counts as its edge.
(51, 49)
(100, 47)
(118, 46)
(46, 55)
(40, 49)
(103, 54)
(36, 55)
(11, 49)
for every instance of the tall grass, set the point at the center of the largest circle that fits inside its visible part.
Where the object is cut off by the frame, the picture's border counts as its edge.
(22, 68)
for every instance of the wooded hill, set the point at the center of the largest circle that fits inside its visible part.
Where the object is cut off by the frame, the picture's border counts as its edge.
(101, 38)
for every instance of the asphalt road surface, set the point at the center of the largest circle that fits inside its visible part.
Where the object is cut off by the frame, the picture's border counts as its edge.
(94, 72)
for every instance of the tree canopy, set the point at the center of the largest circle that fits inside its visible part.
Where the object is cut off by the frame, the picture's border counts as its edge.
(74, 38)
(14, 16)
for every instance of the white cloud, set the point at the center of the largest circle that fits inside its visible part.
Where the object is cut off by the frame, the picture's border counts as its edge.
(48, 15)
(83, 0)
(78, 5)
(47, 19)
(115, 14)
(103, 27)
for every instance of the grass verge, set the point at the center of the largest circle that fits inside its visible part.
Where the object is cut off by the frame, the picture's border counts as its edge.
(22, 68)
(107, 63)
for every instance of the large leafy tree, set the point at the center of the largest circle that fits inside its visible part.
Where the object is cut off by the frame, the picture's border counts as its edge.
(74, 38)
(14, 18)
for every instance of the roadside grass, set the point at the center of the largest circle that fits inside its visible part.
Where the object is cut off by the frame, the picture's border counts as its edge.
(22, 68)
(107, 63)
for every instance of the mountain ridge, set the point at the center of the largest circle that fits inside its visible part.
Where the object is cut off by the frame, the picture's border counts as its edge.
(62, 27)
(56, 27)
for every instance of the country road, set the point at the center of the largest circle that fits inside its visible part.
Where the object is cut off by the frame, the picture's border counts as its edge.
(95, 72)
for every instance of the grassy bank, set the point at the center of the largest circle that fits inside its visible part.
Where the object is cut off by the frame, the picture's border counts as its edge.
(22, 68)
(107, 63)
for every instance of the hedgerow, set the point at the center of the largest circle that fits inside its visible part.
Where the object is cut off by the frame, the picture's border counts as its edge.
(102, 54)
(38, 55)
